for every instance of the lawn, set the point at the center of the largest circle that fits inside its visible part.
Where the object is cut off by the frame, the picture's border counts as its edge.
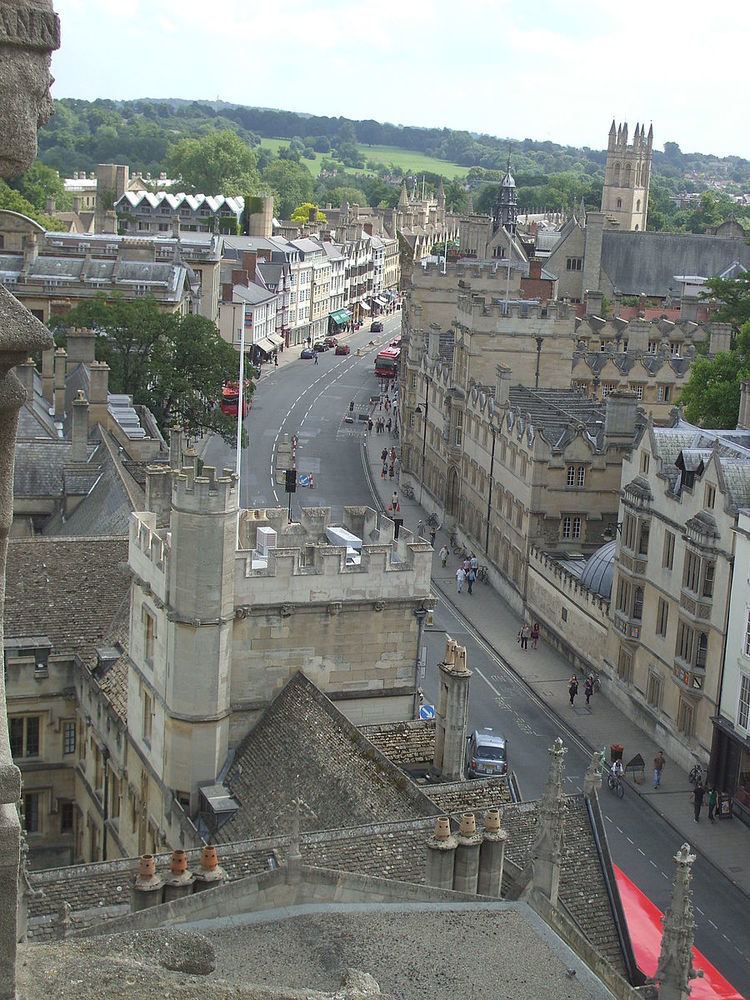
(404, 158)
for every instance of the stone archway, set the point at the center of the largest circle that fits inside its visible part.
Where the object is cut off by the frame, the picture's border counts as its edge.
(452, 493)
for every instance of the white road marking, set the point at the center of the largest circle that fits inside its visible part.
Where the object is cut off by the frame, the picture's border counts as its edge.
(713, 925)
(652, 863)
(643, 853)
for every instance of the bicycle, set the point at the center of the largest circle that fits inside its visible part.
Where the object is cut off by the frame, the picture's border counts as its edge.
(615, 785)
(696, 775)
(408, 492)
(482, 574)
(456, 547)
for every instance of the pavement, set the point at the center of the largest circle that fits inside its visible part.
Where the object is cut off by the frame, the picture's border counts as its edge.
(725, 843)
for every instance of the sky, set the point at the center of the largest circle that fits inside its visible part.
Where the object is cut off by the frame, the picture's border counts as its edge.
(556, 70)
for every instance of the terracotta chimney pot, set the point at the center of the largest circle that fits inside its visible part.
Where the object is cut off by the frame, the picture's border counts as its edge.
(146, 866)
(179, 862)
(492, 820)
(209, 859)
(468, 825)
(442, 828)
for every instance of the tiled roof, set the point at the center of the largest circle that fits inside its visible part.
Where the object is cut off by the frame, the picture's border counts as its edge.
(39, 467)
(403, 742)
(470, 796)
(72, 590)
(113, 683)
(303, 746)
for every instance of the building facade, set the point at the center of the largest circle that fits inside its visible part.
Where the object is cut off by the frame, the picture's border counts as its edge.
(145, 212)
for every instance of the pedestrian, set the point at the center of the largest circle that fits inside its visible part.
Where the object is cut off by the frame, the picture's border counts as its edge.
(433, 532)
(394, 456)
(420, 527)
(467, 564)
(460, 577)
(388, 424)
(391, 471)
(394, 502)
(524, 636)
(384, 471)
(698, 793)
(474, 563)
(470, 578)
(369, 424)
(384, 455)
(573, 688)
(276, 361)
(713, 801)
(659, 761)
(315, 355)
(444, 553)
(535, 635)
(588, 688)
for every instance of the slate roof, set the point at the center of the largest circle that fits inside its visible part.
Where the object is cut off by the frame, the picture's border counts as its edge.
(690, 449)
(105, 510)
(73, 590)
(626, 361)
(647, 262)
(403, 743)
(303, 746)
(39, 467)
(557, 414)
(113, 683)
(477, 796)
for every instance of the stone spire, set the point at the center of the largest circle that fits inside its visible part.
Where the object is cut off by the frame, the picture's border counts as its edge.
(403, 200)
(506, 209)
(547, 853)
(441, 195)
(675, 968)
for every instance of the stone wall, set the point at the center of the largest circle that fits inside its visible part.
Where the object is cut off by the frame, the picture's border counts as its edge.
(573, 619)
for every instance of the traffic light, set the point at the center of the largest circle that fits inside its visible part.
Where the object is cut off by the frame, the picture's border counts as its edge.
(291, 481)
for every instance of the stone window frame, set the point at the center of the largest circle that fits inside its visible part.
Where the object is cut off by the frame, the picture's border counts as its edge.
(743, 702)
(25, 720)
(69, 736)
(654, 688)
(662, 617)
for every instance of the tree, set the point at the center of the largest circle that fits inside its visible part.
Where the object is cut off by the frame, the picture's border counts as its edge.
(292, 184)
(355, 196)
(174, 365)
(13, 201)
(711, 396)
(302, 213)
(218, 163)
(733, 295)
(39, 183)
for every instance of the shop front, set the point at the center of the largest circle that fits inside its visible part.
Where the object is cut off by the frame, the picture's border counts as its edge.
(338, 321)
(729, 770)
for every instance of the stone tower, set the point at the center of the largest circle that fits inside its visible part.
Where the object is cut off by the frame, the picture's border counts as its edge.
(626, 177)
(506, 209)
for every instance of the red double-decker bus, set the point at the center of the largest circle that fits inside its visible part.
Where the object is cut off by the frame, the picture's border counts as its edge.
(645, 929)
(386, 363)
(230, 399)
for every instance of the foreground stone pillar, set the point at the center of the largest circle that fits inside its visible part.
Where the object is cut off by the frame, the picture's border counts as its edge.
(675, 968)
(452, 713)
(548, 847)
(466, 872)
(29, 33)
(441, 855)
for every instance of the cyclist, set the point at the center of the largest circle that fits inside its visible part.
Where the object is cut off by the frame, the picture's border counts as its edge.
(616, 771)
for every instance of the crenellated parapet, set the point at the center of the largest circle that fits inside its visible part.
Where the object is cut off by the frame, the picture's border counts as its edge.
(206, 493)
(477, 307)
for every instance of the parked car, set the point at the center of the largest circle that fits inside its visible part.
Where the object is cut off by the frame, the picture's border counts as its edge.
(307, 353)
(376, 326)
(330, 342)
(320, 346)
(342, 349)
(486, 754)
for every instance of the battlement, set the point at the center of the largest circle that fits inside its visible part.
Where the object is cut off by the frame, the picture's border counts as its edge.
(465, 270)
(315, 560)
(517, 309)
(148, 551)
(205, 493)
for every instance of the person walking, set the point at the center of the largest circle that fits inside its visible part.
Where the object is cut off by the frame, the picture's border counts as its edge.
(276, 361)
(573, 689)
(315, 355)
(474, 563)
(444, 553)
(524, 636)
(713, 801)
(698, 793)
(370, 424)
(388, 425)
(384, 471)
(659, 761)
(394, 502)
(470, 578)
(391, 470)
(535, 635)
(460, 577)
(433, 532)
(420, 527)
(394, 456)
(384, 455)
(588, 689)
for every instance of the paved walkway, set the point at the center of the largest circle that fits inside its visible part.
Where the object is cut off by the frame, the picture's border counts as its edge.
(725, 843)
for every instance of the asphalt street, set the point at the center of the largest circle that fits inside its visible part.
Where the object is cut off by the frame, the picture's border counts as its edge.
(312, 401)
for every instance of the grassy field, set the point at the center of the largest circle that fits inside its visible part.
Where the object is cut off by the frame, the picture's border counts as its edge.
(404, 158)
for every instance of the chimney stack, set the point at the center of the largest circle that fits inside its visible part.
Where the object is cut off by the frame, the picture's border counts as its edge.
(30, 250)
(48, 375)
(81, 346)
(158, 498)
(594, 303)
(441, 854)
(25, 374)
(180, 881)
(61, 358)
(466, 870)
(452, 713)
(743, 419)
(210, 874)
(176, 443)
(492, 855)
(502, 384)
(148, 886)
(99, 393)
(620, 418)
(79, 433)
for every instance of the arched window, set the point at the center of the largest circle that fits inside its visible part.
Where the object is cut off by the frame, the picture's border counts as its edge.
(616, 174)
(637, 175)
(626, 178)
(636, 227)
(638, 205)
(619, 202)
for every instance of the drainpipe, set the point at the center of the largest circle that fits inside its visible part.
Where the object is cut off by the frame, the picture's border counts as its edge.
(105, 803)
(489, 498)
(420, 614)
(539, 341)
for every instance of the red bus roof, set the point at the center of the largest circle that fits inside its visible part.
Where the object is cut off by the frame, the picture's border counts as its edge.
(389, 352)
(645, 927)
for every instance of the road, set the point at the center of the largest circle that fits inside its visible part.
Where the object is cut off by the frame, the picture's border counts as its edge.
(312, 402)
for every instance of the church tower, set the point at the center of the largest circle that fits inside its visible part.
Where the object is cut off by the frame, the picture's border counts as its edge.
(506, 209)
(626, 177)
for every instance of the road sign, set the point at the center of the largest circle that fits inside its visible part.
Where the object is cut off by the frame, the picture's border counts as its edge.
(427, 711)
(303, 480)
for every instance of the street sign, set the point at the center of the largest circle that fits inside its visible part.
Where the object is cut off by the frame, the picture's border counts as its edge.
(427, 711)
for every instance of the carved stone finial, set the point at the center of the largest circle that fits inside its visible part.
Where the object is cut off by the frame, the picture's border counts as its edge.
(593, 778)
(675, 968)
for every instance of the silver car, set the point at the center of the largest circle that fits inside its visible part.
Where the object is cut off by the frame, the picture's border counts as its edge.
(486, 754)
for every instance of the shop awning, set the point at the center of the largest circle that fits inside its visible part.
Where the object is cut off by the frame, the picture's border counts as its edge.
(275, 339)
(365, 306)
(381, 300)
(341, 316)
(265, 345)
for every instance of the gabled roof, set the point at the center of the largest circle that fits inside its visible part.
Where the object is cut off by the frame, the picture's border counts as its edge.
(304, 747)
(177, 201)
